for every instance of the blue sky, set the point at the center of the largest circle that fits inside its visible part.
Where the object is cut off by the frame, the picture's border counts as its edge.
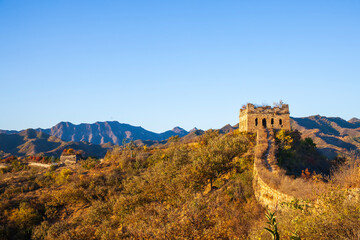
(160, 64)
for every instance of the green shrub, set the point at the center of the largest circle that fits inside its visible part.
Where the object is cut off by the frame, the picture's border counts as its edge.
(90, 163)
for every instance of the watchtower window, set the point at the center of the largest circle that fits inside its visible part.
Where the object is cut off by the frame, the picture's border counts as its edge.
(256, 122)
(264, 123)
(280, 122)
(272, 121)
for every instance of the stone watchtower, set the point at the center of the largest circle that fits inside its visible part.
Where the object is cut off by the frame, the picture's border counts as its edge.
(253, 118)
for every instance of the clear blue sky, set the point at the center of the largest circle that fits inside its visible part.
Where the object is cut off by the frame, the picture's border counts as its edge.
(160, 64)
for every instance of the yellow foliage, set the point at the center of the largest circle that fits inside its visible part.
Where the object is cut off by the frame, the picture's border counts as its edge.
(194, 145)
(178, 190)
(317, 177)
(63, 176)
(285, 139)
(24, 216)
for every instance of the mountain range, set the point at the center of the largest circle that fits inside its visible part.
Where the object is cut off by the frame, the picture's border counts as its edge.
(95, 139)
(332, 135)
(104, 132)
(32, 142)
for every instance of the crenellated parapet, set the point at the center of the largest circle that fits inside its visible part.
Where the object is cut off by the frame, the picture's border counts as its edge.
(253, 118)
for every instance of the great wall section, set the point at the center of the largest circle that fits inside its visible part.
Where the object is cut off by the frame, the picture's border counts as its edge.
(265, 160)
(269, 180)
(264, 120)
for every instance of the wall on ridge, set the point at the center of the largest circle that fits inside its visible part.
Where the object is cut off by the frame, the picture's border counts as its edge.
(265, 166)
(266, 195)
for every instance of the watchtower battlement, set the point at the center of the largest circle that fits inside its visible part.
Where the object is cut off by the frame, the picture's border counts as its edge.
(253, 118)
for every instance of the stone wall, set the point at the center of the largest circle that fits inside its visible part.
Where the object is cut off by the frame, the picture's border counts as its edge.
(264, 120)
(265, 166)
(264, 161)
(254, 118)
(267, 196)
(69, 159)
(44, 165)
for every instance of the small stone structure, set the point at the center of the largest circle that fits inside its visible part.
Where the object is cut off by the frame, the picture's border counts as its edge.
(69, 159)
(254, 118)
(3, 165)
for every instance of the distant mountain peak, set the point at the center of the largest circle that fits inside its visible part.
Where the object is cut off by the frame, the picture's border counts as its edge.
(65, 123)
(178, 130)
(194, 129)
(30, 133)
(227, 128)
(354, 120)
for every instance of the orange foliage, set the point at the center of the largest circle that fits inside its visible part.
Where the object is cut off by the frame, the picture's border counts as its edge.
(306, 174)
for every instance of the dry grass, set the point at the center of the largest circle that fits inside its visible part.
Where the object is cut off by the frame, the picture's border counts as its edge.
(260, 150)
(277, 179)
(345, 176)
(297, 187)
(348, 174)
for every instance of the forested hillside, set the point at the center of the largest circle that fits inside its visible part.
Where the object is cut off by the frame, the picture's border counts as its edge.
(200, 188)
(194, 190)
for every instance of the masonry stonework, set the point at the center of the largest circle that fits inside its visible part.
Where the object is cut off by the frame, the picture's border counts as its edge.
(254, 118)
(265, 158)
(69, 159)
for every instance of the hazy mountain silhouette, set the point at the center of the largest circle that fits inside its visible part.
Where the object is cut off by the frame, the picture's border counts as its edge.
(94, 138)
(9, 131)
(32, 142)
(109, 131)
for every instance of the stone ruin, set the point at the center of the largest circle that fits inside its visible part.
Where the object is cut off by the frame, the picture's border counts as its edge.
(254, 118)
(69, 159)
